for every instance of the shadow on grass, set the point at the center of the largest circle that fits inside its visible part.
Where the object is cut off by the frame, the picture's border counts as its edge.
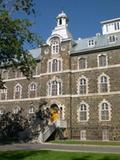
(20, 155)
(115, 157)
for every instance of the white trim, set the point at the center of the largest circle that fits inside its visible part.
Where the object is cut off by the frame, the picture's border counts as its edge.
(98, 56)
(63, 96)
(109, 109)
(66, 71)
(78, 85)
(83, 57)
(87, 112)
(29, 89)
(108, 82)
(18, 84)
(50, 70)
(16, 110)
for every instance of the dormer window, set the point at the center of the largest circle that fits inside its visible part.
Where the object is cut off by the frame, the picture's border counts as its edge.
(91, 43)
(117, 25)
(55, 46)
(112, 38)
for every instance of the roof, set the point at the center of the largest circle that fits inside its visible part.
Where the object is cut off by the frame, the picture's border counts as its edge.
(100, 42)
(36, 53)
(111, 20)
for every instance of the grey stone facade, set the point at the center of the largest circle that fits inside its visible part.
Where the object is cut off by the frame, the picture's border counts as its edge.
(69, 98)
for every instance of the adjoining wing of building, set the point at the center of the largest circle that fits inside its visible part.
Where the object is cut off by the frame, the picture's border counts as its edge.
(81, 77)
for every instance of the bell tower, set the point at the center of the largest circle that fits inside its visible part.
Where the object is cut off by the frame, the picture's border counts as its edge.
(61, 29)
(62, 19)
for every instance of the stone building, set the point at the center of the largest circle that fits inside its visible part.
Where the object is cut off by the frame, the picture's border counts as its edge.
(81, 77)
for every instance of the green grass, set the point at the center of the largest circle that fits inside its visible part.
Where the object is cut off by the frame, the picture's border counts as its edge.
(113, 143)
(55, 155)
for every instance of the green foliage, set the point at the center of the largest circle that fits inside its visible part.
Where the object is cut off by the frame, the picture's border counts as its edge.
(14, 35)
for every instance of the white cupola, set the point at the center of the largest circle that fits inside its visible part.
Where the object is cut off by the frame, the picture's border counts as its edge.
(62, 19)
(61, 29)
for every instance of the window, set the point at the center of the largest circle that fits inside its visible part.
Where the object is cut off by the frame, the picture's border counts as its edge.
(103, 84)
(82, 63)
(83, 112)
(32, 90)
(54, 65)
(18, 91)
(112, 38)
(83, 135)
(4, 74)
(91, 43)
(104, 111)
(3, 93)
(117, 25)
(55, 46)
(18, 74)
(31, 110)
(102, 60)
(2, 111)
(105, 135)
(82, 86)
(16, 110)
(55, 88)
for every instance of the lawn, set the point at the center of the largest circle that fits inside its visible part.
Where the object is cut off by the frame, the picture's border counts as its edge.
(113, 143)
(55, 155)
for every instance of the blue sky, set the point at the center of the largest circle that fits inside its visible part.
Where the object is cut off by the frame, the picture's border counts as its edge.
(84, 15)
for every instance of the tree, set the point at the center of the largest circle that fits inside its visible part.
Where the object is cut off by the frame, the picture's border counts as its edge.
(14, 34)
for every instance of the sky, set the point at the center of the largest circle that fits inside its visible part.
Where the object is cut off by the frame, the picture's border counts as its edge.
(84, 16)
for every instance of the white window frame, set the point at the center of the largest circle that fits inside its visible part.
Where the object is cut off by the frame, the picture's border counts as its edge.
(16, 110)
(50, 65)
(31, 110)
(105, 135)
(5, 74)
(112, 39)
(50, 86)
(55, 45)
(79, 110)
(98, 60)
(91, 43)
(2, 111)
(32, 90)
(99, 83)
(3, 91)
(83, 135)
(78, 85)
(15, 91)
(109, 110)
(79, 68)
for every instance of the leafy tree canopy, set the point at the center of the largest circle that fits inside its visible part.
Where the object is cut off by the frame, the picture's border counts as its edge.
(14, 34)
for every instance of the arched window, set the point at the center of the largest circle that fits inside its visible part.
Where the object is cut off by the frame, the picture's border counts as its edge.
(16, 110)
(32, 90)
(102, 60)
(54, 65)
(2, 111)
(54, 88)
(3, 93)
(18, 91)
(4, 74)
(103, 84)
(83, 112)
(82, 85)
(82, 63)
(104, 111)
(31, 110)
(55, 46)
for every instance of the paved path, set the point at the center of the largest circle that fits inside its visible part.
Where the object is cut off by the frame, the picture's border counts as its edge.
(62, 147)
